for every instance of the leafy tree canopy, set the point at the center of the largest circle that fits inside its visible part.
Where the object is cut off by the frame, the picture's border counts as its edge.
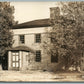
(6, 23)
(67, 33)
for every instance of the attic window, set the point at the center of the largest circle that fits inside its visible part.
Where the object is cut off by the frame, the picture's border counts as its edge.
(22, 40)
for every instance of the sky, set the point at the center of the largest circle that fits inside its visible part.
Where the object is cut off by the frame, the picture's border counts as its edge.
(28, 11)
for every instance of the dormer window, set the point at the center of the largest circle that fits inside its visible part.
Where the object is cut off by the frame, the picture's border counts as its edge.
(22, 39)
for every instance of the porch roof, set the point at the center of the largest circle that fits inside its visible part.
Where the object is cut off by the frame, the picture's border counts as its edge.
(21, 48)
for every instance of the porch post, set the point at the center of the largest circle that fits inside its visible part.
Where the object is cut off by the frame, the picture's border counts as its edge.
(9, 60)
(20, 60)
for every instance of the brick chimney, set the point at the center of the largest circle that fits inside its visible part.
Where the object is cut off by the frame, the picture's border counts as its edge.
(54, 12)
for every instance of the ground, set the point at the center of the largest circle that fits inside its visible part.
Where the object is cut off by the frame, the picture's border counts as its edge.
(35, 76)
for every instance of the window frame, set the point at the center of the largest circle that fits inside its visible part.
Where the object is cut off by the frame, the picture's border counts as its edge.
(53, 60)
(38, 58)
(20, 42)
(38, 38)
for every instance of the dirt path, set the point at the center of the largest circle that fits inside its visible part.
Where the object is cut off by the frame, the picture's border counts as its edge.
(25, 76)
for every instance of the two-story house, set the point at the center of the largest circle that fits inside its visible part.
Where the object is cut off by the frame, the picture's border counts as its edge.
(27, 52)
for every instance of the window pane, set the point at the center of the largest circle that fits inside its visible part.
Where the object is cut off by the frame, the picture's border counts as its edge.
(13, 58)
(13, 64)
(17, 64)
(16, 58)
(17, 53)
(13, 53)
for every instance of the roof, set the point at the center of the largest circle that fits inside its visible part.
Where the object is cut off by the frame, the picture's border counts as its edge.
(21, 48)
(33, 24)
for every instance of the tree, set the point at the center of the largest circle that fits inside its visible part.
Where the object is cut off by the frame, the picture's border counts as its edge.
(6, 23)
(67, 34)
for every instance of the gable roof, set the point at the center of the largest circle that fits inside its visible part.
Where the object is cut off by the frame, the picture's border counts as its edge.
(33, 24)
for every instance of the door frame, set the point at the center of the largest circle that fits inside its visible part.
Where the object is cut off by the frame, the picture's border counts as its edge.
(15, 68)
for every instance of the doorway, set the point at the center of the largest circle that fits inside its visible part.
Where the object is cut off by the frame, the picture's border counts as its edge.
(15, 60)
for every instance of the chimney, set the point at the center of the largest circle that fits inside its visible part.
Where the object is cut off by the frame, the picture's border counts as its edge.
(54, 12)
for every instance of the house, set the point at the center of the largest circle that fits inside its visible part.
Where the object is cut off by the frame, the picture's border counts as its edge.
(27, 52)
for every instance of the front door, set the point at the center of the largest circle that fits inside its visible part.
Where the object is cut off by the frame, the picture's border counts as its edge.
(15, 60)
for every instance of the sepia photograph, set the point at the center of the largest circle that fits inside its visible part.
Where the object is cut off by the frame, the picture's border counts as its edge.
(42, 41)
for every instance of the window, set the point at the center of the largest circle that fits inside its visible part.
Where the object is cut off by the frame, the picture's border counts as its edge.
(38, 56)
(22, 39)
(54, 58)
(38, 38)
